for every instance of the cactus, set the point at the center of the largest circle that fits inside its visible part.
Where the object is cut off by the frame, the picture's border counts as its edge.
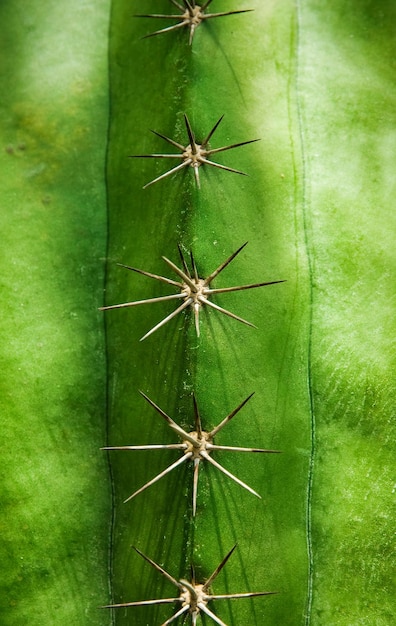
(313, 82)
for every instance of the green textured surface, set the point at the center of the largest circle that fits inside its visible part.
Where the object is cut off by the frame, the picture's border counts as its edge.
(55, 505)
(231, 360)
(314, 81)
(348, 99)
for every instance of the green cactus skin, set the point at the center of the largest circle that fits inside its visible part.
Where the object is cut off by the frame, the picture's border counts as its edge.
(316, 82)
(54, 484)
(160, 79)
(348, 128)
(258, 71)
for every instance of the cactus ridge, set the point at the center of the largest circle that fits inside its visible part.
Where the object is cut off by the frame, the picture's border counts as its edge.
(194, 292)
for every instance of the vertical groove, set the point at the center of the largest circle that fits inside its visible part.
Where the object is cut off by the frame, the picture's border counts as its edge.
(300, 117)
